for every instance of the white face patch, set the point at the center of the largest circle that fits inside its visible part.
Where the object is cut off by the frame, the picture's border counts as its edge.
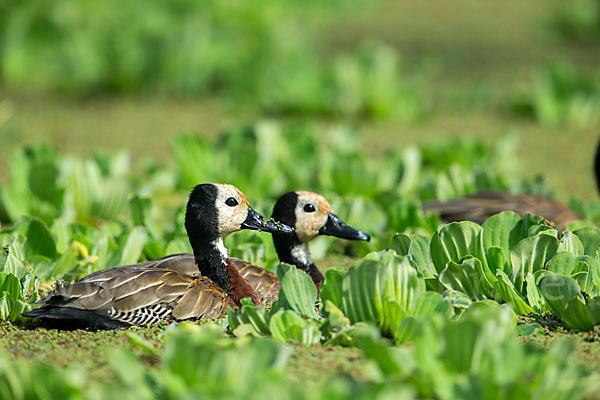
(309, 222)
(300, 252)
(230, 215)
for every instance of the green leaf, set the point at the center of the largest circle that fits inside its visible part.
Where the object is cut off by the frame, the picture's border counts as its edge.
(531, 329)
(111, 200)
(132, 250)
(364, 287)
(392, 315)
(531, 255)
(14, 261)
(39, 240)
(60, 234)
(255, 316)
(287, 325)
(417, 248)
(401, 243)
(489, 310)
(458, 300)
(576, 315)
(195, 160)
(530, 225)
(153, 250)
(141, 214)
(506, 291)
(3, 258)
(11, 308)
(590, 239)
(558, 289)
(593, 306)
(332, 289)
(66, 263)
(82, 185)
(419, 252)
(130, 372)
(297, 292)
(403, 282)
(495, 259)
(563, 263)
(502, 230)
(392, 361)
(406, 330)
(467, 277)
(499, 235)
(454, 242)
(570, 242)
(335, 317)
(534, 296)
(10, 285)
(431, 303)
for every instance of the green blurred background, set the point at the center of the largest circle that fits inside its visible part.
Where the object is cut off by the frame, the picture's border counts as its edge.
(101, 75)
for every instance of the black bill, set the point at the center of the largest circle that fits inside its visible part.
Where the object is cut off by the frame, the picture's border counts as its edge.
(336, 227)
(255, 221)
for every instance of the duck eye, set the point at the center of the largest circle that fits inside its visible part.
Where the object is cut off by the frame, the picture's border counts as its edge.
(309, 208)
(231, 202)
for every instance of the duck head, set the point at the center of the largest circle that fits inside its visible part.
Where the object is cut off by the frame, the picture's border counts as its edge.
(213, 212)
(216, 210)
(310, 215)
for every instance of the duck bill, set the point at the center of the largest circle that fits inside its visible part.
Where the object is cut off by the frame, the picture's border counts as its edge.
(338, 228)
(255, 221)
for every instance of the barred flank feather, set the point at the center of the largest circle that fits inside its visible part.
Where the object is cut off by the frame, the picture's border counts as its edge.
(143, 316)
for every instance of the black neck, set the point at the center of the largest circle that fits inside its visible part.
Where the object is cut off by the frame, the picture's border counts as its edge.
(284, 245)
(211, 263)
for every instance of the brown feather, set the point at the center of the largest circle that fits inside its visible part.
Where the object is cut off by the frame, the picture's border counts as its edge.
(240, 288)
(201, 301)
(138, 299)
(264, 282)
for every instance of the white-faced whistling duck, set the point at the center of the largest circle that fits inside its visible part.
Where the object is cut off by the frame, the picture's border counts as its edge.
(150, 292)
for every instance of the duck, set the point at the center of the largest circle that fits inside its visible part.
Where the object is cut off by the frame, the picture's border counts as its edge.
(480, 206)
(310, 215)
(140, 294)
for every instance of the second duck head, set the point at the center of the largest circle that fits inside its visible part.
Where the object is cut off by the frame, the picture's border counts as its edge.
(213, 212)
(310, 215)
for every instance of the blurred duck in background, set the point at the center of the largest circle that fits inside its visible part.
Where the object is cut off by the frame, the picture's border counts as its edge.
(480, 206)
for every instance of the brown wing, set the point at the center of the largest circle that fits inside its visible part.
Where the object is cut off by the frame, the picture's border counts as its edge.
(183, 263)
(480, 206)
(264, 282)
(142, 295)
